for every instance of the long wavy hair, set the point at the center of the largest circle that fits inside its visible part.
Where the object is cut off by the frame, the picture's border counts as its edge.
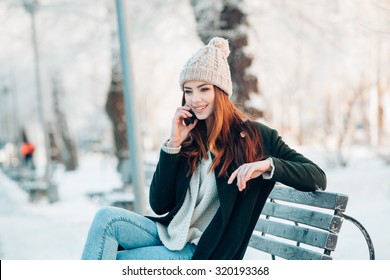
(233, 139)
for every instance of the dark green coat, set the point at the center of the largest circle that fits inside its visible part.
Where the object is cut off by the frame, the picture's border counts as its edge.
(228, 234)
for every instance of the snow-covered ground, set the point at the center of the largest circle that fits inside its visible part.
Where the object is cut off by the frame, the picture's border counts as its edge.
(57, 231)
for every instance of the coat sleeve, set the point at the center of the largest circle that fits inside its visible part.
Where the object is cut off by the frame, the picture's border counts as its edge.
(291, 168)
(163, 186)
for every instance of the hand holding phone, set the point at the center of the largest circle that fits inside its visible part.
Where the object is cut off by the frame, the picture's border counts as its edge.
(182, 124)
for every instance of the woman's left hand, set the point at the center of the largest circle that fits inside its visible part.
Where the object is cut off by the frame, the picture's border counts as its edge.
(249, 171)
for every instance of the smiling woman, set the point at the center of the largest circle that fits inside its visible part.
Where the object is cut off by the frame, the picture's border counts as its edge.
(212, 179)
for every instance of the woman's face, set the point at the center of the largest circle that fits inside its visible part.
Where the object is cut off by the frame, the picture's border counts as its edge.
(200, 97)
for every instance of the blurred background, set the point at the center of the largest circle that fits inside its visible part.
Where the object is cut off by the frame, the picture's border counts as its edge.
(316, 70)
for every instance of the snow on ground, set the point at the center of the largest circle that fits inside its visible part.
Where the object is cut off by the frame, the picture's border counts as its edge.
(53, 231)
(57, 231)
(367, 183)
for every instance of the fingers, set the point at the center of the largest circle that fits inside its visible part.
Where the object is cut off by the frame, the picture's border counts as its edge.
(184, 109)
(243, 174)
(182, 113)
(231, 178)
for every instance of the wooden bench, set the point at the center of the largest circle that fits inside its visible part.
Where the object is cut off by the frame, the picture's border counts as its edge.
(298, 225)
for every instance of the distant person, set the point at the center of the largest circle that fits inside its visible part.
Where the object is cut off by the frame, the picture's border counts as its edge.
(27, 150)
(212, 180)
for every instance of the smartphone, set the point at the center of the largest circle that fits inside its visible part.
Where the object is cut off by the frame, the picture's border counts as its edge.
(190, 120)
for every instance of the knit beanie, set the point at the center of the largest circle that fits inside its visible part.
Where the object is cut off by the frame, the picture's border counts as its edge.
(209, 64)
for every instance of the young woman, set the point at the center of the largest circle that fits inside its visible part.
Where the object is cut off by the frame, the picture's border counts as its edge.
(212, 179)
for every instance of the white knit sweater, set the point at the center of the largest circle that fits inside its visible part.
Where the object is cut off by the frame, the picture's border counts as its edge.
(199, 207)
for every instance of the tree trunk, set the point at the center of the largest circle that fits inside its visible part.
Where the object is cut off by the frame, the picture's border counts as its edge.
(226, 18)
(66, 152)
(116, 111)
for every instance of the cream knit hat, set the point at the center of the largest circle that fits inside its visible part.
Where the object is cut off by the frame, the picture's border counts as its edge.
(209, 64)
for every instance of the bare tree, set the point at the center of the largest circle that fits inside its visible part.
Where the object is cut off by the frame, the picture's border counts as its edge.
(116, 111)
(67, 153)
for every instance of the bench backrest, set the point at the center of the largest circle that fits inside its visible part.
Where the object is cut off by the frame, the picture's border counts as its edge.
(299, 225)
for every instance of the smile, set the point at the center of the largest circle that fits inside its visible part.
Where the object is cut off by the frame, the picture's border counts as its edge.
(199, 109)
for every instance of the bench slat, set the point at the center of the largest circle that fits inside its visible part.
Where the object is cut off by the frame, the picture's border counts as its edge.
(326, 200)
(283, 250)
(310, 236)
(304, 216)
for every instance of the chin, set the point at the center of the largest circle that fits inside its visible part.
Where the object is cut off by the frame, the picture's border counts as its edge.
(202, 118)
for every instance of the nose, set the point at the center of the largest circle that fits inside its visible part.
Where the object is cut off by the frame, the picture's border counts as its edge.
(196, 97)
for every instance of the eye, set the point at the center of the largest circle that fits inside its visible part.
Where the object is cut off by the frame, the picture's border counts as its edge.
(204, 89)
(187, 91)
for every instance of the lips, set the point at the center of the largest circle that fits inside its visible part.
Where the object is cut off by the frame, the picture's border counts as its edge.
(199, 109)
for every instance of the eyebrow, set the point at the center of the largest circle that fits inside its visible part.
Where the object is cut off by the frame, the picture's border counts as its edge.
(205, 84)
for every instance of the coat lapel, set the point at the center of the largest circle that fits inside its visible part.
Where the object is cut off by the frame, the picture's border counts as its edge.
(227, 195)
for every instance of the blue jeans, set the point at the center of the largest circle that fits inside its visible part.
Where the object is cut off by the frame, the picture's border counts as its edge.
(113, 226)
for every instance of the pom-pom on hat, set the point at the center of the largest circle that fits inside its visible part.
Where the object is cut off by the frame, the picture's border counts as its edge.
(209, 64)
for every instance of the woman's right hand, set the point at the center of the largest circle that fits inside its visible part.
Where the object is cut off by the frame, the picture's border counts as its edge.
(179, 131)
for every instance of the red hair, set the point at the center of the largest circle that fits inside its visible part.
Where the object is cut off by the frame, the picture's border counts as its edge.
(233, 139)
